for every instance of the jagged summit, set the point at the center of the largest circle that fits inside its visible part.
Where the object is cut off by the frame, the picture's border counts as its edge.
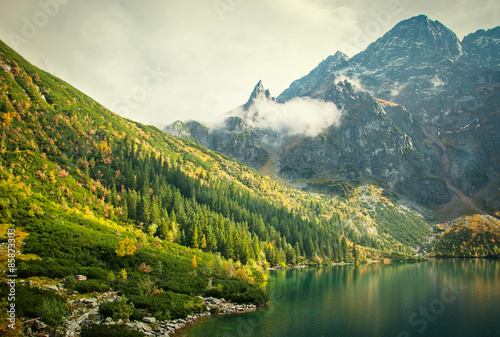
(337, 59)
(258, 93)
(416, 40)
(321, 76)
(481, 48)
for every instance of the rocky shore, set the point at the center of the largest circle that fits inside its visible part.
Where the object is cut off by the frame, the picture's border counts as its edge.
(85, 312)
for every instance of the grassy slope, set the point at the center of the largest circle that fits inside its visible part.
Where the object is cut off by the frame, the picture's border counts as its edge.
(469, 236)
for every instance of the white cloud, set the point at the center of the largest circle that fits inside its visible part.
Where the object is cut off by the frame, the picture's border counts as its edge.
(298, 116)
(355, 82)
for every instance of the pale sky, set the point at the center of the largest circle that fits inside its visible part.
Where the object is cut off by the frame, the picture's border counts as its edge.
(157, 61)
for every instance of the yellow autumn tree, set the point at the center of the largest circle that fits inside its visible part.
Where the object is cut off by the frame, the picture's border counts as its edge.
(123, 274)
(194, 262)
(127, 247)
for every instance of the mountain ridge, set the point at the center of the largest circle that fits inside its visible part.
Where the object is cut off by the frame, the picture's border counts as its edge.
(421, 78)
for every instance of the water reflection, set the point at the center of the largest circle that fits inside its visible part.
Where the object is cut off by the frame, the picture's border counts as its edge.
(437, 298)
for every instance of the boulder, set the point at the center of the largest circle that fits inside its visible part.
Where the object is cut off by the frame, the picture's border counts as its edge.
(52, 287)
(149, 320)
(80, 278)
(144, 327)
(37, 325)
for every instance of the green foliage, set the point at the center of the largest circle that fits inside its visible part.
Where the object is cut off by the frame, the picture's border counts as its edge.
(237, 291)
(32, 302)
(117, 310)
(464, 242)
(70, 282)
(102, 330)
(169, 305)
(52, 311)
(91, 286)
(407, 228)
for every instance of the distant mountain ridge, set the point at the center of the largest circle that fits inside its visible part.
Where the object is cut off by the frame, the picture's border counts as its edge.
(420, 117)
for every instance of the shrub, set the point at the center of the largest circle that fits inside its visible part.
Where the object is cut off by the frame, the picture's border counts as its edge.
(70, 282)
(91, 286)
(95, 273)
(52, 311)
(117, 310)
(168, 305)
(237, 291)
(36, 302)
(102, 330)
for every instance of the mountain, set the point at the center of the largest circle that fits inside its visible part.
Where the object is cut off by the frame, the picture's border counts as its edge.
(419, 118)
(480, 48)
(158, 219)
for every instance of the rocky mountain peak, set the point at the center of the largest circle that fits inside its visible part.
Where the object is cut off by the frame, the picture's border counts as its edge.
(322, 76)
(481, 48)
(427, 34)
(417, 40)
(258, 93)
(335, 60)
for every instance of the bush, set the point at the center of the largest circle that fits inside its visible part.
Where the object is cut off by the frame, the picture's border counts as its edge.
(36, 302)
(52, 311)
(102, 330)
(47, 267)
(237, 291)
(70, 282)
(137, 316)
(95, 273)
(117, 310)
(168, 305)
(91, 286)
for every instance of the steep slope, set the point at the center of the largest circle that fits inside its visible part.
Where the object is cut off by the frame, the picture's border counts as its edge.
(88, 192)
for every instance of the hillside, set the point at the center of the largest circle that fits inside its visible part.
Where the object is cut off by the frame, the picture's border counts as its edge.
(154, 217)
(469, 236)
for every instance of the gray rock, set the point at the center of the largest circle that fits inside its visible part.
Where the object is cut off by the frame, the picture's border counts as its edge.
(38, 325)
(52, 287)
(80, 278)
(131, 325)
(149, 320)
(144, 327)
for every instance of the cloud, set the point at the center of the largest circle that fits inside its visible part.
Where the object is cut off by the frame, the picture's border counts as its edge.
(298, 116)
(355, 82)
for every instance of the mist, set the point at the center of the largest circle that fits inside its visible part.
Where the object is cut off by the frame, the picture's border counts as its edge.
(303, 116)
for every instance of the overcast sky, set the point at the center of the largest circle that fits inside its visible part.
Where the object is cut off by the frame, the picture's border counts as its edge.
(156, 61)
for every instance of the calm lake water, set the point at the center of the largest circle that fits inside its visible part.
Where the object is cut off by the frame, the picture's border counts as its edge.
(438, 298)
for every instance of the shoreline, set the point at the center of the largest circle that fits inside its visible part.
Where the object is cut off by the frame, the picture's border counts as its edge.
(201, 317)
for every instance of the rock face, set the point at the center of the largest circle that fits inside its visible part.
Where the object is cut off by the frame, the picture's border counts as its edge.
(420, 114)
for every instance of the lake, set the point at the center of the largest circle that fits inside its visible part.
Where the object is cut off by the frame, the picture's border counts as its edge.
(456, 298)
